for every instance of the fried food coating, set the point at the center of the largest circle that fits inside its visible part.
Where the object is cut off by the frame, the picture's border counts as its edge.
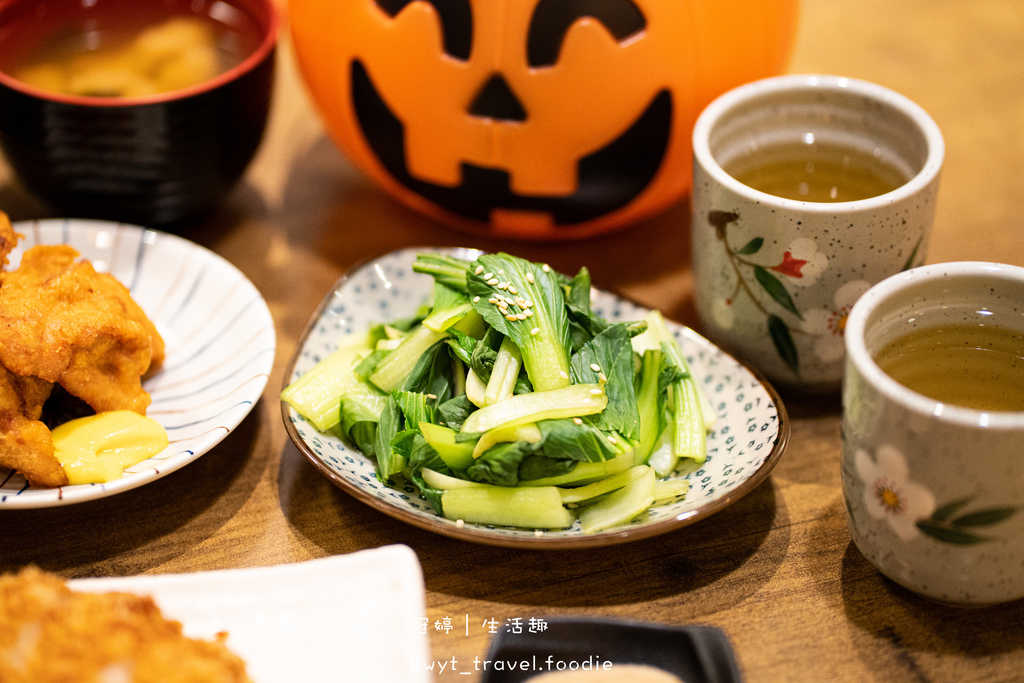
(65, 323)
(50, 633)
(25, 443)
(8, 239)
(61, 322)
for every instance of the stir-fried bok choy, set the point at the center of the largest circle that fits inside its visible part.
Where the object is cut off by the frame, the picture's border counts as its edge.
(507, 401)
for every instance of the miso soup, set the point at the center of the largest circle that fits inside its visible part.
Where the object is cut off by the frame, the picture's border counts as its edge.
(132, 49)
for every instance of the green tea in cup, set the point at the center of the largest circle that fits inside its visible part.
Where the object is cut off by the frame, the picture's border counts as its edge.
(812, 170)
(974, 366)
(933, 418)
(807, 190)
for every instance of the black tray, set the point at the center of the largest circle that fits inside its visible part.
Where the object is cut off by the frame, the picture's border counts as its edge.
(696, 654)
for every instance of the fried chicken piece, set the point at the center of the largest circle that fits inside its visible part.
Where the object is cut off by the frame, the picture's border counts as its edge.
(25, 442)
(8, 239)
(108, 285)
(50, 633)
(61, 322)
(65, 323)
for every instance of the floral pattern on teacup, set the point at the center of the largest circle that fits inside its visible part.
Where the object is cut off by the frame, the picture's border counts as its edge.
(889, 492)
(723, 313)
(767, 285)
(910, 508)
(802, 262)
(829, 324)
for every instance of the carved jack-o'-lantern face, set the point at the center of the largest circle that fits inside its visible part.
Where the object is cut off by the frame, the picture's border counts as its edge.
(531, 118)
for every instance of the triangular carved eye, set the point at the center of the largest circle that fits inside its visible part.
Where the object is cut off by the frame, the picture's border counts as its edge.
(497, 101)
(552, 19)
(456, 22)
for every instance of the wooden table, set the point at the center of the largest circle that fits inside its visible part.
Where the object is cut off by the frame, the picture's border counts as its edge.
(777, 570)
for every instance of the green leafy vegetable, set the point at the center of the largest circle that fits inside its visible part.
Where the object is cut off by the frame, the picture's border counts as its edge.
(687, 426)
(317, 393)
(508, 401)
(524, 301)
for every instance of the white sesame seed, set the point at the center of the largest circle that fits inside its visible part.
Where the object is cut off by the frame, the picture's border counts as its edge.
(434, 396)
(596, 392)
(535, 331)
(520, 316)
(511, 316)
(546, 268)
(529, 313)
(476, 299)
(529, 278)
(538, 533)
(595, 367)
(587, 400)
(602, 377)
(492, 300)
(577, 420)
(479, 269)
(488, 276)
(501, 272)
(572, 506)
(528, 303)
(512, 289)
(493, 281)
(460, 523)
(561, 373)
(612, 439)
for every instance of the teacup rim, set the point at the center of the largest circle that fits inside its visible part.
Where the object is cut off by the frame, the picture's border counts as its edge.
(266, 48)
(725, 102)
(858, 356)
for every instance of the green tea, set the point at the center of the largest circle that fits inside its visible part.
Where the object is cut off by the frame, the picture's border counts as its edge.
(816, 172)
(974, 366)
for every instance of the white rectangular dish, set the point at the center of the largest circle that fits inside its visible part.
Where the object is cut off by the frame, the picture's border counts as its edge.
(356, 617)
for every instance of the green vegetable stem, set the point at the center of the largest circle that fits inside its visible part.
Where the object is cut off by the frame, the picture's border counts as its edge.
(507, 401)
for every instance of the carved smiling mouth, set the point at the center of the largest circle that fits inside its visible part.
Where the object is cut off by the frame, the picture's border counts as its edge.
(609, 178)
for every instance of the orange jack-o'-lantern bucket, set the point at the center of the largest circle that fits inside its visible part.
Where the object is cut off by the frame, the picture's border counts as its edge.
(536, 119)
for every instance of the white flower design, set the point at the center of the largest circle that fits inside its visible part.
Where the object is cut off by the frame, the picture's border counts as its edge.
(723, 313)
(802, 262)
(890, 494)
(828, 324)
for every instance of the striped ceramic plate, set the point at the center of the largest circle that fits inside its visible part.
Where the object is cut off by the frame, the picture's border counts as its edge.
(217, 328)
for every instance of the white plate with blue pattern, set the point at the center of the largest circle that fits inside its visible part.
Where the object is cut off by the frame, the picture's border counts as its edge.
(219, 338)
(748, 438)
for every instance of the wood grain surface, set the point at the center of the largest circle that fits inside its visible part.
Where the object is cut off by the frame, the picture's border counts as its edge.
(777, 570)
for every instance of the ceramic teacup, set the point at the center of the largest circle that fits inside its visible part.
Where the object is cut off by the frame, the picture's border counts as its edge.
(933, 489)
(775, 276)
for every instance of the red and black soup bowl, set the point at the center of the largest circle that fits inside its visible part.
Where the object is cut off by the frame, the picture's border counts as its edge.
(153, 159)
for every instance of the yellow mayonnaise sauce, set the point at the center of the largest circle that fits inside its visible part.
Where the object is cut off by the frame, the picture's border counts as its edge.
(98, 448)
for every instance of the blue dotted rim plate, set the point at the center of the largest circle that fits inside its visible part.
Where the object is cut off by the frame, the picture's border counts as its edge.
(219, 337)
(750, 433)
